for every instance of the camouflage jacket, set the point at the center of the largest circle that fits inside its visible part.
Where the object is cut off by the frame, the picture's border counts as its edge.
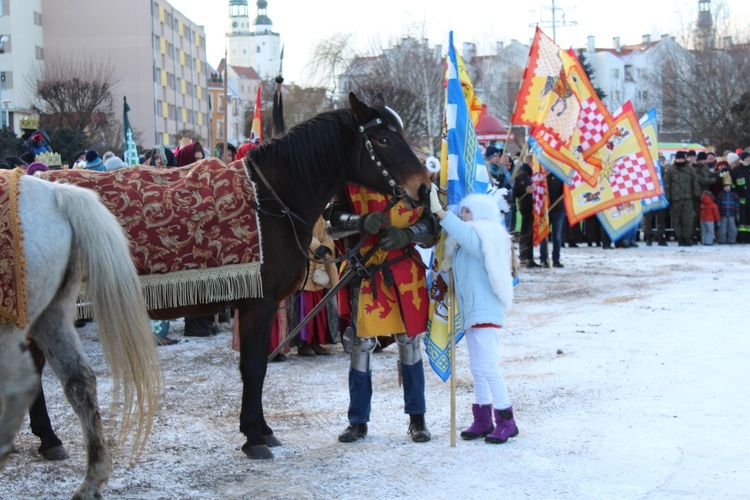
(705, 178)
(681, 182)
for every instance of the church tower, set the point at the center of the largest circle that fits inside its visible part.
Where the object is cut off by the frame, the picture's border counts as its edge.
(705, 33)
(253, 45)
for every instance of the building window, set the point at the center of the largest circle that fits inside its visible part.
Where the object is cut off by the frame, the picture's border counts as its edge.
(616, 73)
(3, 80)
(39, 52)
(643, 94)
(37, 18)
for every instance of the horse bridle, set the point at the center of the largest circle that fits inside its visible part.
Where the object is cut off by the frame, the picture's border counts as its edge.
(398, 193)
(398, 190)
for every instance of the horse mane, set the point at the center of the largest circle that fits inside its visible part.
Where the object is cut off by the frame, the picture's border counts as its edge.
(312, 149)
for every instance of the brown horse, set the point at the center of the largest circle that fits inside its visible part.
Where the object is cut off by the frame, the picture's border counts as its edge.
(304, 168)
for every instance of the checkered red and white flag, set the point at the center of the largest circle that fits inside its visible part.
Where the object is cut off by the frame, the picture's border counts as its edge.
(630, 175)
(592, 125)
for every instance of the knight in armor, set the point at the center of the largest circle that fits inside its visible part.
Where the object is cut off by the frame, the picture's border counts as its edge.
(387, 298)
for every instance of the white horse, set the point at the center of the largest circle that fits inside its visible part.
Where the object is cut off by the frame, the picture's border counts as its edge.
(69, 236)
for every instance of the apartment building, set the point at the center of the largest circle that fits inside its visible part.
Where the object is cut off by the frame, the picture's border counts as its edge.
(21, 55)
(159, 56)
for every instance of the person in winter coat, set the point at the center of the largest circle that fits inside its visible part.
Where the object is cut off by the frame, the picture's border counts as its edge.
(741, 185)
(522, 189)
(189, 154)
(478, 250)
(680, 182)
(709, 216)
(38, 143)
(729, 210)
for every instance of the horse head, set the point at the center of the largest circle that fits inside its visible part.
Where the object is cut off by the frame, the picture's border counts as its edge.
(387, 162)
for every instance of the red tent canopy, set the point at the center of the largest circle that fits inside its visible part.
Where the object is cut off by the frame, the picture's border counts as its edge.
(490, 128)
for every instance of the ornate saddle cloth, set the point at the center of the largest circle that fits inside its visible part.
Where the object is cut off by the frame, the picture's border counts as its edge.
(194, 231)
(12, 263)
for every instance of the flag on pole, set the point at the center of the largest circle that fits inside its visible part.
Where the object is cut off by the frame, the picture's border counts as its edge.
(540, 203)
(620, 219)
(462, 173)
(256, 130)
(558, 101)
(628, 176)
(130, 155)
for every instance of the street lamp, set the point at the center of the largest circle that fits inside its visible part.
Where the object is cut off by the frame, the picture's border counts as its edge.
(3, 40)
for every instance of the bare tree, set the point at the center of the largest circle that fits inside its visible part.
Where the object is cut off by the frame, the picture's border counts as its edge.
(703, 89)
(330, 57)
(411, 76)
(76, 94)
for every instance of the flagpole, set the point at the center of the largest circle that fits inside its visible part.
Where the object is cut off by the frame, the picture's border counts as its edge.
(226, 104)
(452, 318)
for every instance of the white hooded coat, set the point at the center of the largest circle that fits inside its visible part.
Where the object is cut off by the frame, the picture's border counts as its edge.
(480, 254)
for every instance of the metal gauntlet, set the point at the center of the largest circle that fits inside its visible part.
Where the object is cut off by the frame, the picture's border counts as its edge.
(424, 231)
(342, 225)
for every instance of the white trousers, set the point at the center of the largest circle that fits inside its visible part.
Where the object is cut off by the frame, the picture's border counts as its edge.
(484, 363)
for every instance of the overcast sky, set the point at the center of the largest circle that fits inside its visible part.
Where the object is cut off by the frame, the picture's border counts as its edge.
(302, 22)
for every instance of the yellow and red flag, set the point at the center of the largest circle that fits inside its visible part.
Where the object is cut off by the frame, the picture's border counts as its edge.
(557, 100)
(628, 172)
(540, 203)
(546, 101)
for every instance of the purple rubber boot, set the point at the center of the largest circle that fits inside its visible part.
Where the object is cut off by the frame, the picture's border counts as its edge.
(505, 427)
(482, 424)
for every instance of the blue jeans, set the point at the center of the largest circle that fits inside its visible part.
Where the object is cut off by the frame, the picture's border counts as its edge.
(556, 221)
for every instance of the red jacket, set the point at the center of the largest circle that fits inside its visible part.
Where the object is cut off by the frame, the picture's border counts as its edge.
(709, 209)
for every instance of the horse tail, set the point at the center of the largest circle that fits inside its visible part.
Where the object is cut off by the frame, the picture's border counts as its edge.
(118, 308)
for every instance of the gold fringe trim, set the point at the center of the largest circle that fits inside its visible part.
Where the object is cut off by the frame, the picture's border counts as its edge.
(19, 263)
(191, 287)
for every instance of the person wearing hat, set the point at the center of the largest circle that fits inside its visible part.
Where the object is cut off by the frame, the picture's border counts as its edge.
(741, 182)
(680, 183)
(501, 183)
(522, 189)
(710, 161)
(729, 210)
(113, 163)
(36, 167)
(706, 180)
(94, 161)
(16, 162)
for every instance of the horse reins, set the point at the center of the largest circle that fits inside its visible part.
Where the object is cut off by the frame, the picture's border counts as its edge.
(398, 193)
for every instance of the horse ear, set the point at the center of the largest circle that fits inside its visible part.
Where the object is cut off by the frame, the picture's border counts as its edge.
(378, 100)
(359, 109)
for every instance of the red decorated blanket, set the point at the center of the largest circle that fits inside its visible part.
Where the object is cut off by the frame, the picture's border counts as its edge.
(194, 230)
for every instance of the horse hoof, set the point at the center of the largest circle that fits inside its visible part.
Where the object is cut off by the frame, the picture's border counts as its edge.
(54, 453)
(257, 452)
(271, 441)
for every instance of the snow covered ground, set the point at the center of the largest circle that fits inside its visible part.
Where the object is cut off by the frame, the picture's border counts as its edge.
(628, 370)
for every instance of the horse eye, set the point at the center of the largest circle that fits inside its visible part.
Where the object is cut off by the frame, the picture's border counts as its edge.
(384, 141)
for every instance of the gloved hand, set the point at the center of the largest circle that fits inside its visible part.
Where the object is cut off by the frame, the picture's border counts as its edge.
(322, 251)
(371, 223)
(718, 224)
(394, 237)
(435, 205)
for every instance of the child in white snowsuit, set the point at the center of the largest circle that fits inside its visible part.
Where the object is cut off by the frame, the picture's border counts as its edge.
(479, 251)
